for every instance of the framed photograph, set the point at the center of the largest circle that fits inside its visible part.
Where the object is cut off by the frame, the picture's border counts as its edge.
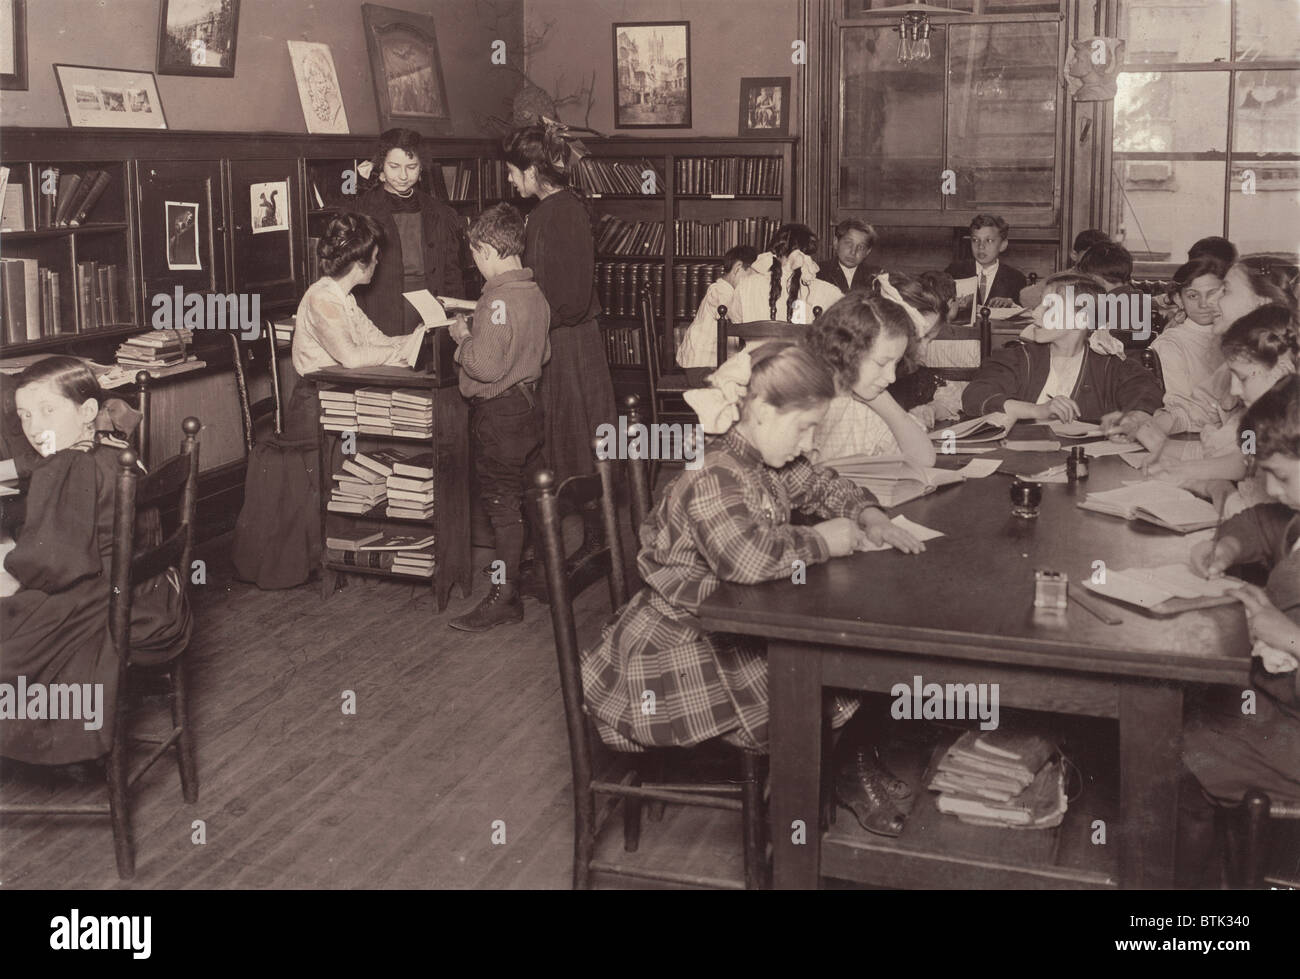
(765, 106)
(13, 44)
(110, 98)
(182, 235)
(269, 206)
(652, 75)
(406, 69)
(318, 87)
(197, 37)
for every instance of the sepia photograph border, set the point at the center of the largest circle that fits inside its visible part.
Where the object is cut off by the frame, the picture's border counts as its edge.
(685, 25)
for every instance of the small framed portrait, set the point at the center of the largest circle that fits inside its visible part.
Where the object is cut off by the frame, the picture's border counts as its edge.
(182, 235)
(197, 37)
(269, 206)
(13, 44)
(652, 75)
(765, 106)
(110, 97)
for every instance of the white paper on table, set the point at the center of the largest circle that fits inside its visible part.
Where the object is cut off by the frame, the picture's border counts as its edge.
(1098, 449)
(1005, 312)
(1074, 430)
(913, 528)
(979, 468)
(426, 304)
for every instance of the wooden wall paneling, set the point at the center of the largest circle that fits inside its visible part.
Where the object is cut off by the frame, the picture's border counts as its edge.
(160, 182)
(266, 262)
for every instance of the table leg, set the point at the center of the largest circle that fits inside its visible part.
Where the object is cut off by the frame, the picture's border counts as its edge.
(1150, 742)
(795, 688)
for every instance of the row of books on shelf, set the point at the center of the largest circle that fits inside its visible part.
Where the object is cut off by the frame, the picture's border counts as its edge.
(156, 349)
(392, 412)
(633, 176)
(403, 482)
(400, 553)
(31, 301)
(496, 181)
(742, 176)
(717, 237)
(620, 284)
(690, 282)
(623, 346)
(617, 237)
(73, 198)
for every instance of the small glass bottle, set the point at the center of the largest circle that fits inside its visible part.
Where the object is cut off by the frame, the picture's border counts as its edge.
(1076, 466)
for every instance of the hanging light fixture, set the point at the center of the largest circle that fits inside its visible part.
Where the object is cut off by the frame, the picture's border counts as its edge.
(914, 27)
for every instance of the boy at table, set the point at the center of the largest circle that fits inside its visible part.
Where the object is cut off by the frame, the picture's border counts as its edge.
(500, 365)
(1227, 750)
(984, 277)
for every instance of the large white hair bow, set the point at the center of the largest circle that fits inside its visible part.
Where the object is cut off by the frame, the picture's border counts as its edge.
(718, 405)
(889, 292)
(797, 261)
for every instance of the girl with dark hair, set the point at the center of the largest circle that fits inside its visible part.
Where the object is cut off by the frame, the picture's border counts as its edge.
(577, 393)
(55, 627)
(277, 541)
(422, 235)
(1189, 350)
(786, 287)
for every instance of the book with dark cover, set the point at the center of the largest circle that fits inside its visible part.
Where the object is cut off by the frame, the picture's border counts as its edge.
(15, 300)
(420, 466)
(361, 559)
(92, 198)
(68, 184)
(45, 206)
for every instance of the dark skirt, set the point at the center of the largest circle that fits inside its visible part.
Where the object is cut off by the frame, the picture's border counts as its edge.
(277, 541)
(577, 397)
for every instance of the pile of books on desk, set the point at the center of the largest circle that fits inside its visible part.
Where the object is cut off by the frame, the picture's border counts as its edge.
(373, 406)
(159, 348)
(410, 487)
(1003, 778)
(338, 411)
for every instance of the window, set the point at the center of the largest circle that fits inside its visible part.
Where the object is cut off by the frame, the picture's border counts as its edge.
(1207, 126)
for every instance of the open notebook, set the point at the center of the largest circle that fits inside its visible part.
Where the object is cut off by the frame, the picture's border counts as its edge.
(1159, 503)
(1152, 587)
(895, 480)
(986, 428)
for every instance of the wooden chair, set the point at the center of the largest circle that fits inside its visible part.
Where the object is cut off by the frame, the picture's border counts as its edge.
(757, 330)
(1151, 361)
(1259, 810)
(179, 475)
(666, 402)
(245, 358)
(547, 501)
(642, 486)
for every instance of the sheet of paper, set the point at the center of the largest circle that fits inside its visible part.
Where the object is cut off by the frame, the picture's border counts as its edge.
(1074, 430)
(967, 287)
(979, 468)
(1032, 445)
(413, 344)
(1182, 582)
(1097, 450)
(1056, 474)
(8, 469)
(915, 529)
(1005, 312)
(427, 305)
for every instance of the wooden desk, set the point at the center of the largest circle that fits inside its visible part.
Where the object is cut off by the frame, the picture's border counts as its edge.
(962, 612)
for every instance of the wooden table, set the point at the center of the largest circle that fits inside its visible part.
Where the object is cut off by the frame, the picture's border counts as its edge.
(962, 612)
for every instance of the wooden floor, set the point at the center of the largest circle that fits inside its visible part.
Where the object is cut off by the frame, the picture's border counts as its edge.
(453, 733)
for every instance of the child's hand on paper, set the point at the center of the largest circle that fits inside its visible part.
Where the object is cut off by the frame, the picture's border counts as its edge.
(840, 534)
(926, 415)
(880, 531)
(459, 329)
(1001, 302)
(1267, 623)
(1059, 407)
(1210, 560)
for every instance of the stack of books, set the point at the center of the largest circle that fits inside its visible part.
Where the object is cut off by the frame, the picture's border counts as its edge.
(410, 487)
(1003, 778)
(632, 176)
(729, 176)
(283, 326)
(362, 485)
(338, 411)
(616, 237)
(411, 413)
(373, 406)
(375, 550)
(417, 563)
(159, 348)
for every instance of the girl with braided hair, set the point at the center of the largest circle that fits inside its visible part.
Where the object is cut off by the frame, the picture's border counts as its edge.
(787, 287)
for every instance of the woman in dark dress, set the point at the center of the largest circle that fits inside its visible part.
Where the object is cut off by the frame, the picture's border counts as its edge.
(55, 628)
(422, 236)
(577, 393)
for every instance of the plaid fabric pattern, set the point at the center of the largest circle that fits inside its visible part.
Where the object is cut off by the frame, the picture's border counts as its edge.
(726, 521)
(852, 428)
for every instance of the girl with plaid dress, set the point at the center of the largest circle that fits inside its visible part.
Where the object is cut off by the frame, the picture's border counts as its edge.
(729, 520)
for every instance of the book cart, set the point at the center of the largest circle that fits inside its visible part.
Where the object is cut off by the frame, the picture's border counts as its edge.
(449, 445)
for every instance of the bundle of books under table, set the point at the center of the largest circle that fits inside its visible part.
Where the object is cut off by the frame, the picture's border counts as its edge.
(402, 553)
(160, 348)
(1005, 778)
(338, 411)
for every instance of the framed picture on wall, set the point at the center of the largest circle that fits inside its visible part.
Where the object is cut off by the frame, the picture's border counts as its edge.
(110, 98)
(406, 69)
(765, 106)
(318, 87)
(13, 44)
(652, 75)
(197, 37)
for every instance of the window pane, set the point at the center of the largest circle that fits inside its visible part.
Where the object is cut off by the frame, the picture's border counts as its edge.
(891, 122)
(1002, 114)
(1171, 112)
(1268, 112)
(1267, 220)
(1267, 29)
(1167, 205)
(1168, 31)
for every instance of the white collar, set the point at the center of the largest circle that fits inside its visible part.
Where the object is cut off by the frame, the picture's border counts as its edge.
(992, 271)
(849, 272)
